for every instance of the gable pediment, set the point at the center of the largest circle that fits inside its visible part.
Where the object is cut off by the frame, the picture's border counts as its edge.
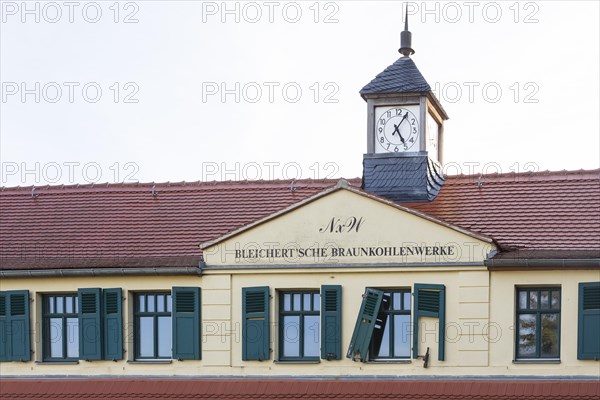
(346, 226)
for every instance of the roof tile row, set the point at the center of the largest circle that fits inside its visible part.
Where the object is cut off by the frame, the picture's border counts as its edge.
(125, 222)
(297, 389)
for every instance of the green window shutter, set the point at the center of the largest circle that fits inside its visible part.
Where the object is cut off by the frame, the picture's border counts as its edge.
(18, 309)
(90, 324)
(256, 324)
(365, 323)
(430, 301)
(588, 330)
(113, 324)
(4, 322)
(15, 342)
(331, 322)
(187, 323)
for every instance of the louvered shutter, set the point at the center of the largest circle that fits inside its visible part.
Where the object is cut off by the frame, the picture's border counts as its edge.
(15, 341)
(90, 324)
(19, 325)
(430, 301)
(256, 326)
(113, 324)
(187, 322)
(4, 322)
(365, 323)
(588, 330)
(331, 322)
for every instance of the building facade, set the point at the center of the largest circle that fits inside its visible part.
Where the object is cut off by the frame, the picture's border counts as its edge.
(404, 275)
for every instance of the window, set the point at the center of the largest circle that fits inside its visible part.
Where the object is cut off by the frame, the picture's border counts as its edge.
(61, 327)
(299, 328)
(86, 325)
(391, 335)
(153, 325)
(382, 329)
(538, 323)
(310, 324)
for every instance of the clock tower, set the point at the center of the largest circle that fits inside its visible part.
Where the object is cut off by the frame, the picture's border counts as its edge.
(405, 131)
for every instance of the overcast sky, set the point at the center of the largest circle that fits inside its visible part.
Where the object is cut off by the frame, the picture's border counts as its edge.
(191, 90)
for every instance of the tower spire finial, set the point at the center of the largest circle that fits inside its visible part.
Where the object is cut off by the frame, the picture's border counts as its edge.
(406, 38)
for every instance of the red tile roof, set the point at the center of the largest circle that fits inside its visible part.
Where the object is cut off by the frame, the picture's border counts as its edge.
(124, 225)
(535, 211)
(156, 388)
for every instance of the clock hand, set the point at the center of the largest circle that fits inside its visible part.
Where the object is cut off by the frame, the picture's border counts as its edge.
(396, 130)
(403, 118)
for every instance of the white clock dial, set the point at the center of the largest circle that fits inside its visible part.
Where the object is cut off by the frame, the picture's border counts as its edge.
(396, 129)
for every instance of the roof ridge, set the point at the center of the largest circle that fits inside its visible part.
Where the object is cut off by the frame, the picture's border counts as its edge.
(545, 173)
(332, 181)
(182, 184)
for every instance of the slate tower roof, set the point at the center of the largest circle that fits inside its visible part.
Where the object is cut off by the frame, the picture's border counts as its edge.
(403, 76)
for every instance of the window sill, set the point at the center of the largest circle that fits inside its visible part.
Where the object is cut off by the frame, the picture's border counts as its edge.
(537, 361)
(74, 362)
(297, 361)
(391, 361)
(150, 362)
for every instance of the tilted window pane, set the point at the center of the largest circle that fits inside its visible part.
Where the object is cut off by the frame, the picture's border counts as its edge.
(391, 334)
(386, 302)
(291, 336)
(527, 335)
(146, 335)
(402, 335)
(549, 345)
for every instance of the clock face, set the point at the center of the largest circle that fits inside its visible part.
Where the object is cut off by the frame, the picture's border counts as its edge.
(396, 130)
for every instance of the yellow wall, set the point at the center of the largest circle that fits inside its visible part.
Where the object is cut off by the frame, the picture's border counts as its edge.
(474, 297)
